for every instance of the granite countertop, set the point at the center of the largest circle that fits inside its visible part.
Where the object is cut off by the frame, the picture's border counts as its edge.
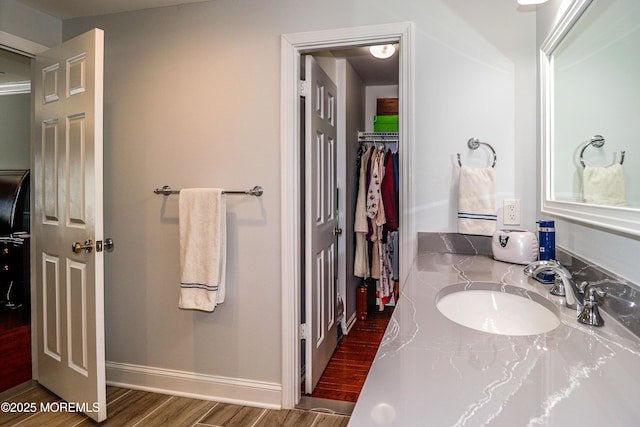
(432, 371)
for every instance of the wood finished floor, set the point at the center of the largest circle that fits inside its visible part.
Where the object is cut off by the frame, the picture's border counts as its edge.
(15, 348)
(348, 368)
(139, 408)
(15, 357)
(342, 380)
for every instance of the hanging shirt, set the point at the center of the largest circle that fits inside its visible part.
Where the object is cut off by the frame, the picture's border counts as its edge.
(361, 262)
(380, 218)
(373, 193)
(389, 196)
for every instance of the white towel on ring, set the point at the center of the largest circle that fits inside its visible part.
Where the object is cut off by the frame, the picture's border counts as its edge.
(203, 247)
(604, 185)
(477, 213)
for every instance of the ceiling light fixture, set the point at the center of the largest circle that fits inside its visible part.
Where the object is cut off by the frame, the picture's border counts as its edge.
(382, 51)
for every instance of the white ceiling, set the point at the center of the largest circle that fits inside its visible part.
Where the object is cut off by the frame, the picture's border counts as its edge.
(371, 70)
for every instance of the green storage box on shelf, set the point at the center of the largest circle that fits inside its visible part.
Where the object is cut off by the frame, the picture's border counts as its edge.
(385, 123)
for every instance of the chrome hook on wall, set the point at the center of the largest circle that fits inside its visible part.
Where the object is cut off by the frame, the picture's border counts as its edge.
(473, 144)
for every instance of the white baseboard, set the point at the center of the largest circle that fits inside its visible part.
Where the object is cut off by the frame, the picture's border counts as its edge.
(349, 323)
(197, 386)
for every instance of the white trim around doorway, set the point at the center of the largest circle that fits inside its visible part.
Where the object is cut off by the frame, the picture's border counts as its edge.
(292, 46)
(20, 45)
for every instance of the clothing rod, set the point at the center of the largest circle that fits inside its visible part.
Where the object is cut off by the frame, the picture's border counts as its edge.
(255, 191)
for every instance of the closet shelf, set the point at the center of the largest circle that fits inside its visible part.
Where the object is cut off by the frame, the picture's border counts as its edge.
(378, 136)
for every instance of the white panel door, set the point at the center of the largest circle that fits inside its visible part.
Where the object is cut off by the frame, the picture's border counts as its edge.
(67, 186)
(321, 221)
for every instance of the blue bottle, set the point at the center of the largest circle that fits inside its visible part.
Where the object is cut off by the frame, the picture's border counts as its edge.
(546, 248)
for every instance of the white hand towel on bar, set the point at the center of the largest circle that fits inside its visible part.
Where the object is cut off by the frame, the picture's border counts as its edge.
(203, 248)
(604, 185)
(477, 213)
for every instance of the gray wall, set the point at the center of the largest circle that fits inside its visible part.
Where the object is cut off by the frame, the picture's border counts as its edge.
(15, 120)
(30, 24)
(192, 98)
(617, 253)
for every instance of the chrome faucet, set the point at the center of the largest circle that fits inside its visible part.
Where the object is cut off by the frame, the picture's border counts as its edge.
(574, 298)
(590, 314)
(582, 297)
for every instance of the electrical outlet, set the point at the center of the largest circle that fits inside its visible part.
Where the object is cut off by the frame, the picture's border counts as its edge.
(511, 212)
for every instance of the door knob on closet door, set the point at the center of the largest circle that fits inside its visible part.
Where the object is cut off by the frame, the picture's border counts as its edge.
(78, 247)
(88, 246)
(337, 231)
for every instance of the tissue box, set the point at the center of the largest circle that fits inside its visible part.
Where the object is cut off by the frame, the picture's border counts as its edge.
(385, 123)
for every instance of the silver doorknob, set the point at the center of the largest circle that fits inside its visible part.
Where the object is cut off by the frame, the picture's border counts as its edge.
(78, 247)
(337, 231)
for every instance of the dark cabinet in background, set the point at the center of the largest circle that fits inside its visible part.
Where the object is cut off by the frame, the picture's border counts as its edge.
(14, 273)
(14, 241)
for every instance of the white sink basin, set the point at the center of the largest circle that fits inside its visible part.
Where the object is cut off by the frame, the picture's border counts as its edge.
(498, 309)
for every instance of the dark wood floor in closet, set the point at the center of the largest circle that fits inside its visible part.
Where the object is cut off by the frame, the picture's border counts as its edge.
(345, 374)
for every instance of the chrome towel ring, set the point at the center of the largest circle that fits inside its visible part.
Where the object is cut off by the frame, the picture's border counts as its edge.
(473, 144)
(597, 141)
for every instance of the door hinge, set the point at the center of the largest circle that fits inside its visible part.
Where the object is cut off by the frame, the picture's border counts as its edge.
(303, 88)
(304, 331)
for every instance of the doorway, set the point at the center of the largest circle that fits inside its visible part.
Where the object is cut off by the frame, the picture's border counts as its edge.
(341, 340)
(15, 312)
(294, 46)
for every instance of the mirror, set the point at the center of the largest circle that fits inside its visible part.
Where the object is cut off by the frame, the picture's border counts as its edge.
(590, 107)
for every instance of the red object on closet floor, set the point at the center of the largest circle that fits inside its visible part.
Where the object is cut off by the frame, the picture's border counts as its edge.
(361, 302)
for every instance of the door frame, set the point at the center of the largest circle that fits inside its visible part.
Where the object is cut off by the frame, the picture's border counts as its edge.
(292, 47)
(19, 45)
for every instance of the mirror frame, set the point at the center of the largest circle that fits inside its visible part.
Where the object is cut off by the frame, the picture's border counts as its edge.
(619, 219)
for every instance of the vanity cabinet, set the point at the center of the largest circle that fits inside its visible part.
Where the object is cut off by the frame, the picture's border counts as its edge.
(430, 370)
